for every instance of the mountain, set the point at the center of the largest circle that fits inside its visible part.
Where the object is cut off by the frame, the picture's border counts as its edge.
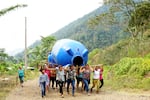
(20, 54)
(14, 52)
(98, 37)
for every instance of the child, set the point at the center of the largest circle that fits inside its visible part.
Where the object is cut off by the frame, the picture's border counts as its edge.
(21, 75)
(42, 82)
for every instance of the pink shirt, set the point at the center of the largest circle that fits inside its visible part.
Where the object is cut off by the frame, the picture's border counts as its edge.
(48, 73)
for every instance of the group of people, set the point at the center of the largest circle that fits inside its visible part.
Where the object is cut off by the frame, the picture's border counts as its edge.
(61, 76)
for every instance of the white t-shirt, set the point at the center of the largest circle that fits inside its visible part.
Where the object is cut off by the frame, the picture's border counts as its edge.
(96, 74)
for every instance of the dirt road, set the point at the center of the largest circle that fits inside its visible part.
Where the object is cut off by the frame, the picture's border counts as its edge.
(31, 91)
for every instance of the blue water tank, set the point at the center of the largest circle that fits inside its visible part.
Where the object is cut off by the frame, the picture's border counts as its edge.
(67, 51)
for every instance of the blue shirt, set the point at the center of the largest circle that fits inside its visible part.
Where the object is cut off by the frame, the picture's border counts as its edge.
(43, 78)
(21, 72)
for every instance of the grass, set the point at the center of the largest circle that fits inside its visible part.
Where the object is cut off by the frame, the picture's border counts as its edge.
(8, 85)
(131, 74)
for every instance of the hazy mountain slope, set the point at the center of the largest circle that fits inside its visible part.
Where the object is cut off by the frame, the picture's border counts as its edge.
(98, 37)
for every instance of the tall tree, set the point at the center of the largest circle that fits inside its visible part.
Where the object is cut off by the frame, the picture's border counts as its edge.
(47, 43)
(125, 9)
(6, 10)
(140, 18)
(40, 53)
(3, 55)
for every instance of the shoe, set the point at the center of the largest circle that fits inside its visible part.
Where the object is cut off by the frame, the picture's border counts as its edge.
(88, 94)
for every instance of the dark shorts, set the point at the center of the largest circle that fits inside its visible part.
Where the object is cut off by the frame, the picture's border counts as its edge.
(79, 79)
(21, 79)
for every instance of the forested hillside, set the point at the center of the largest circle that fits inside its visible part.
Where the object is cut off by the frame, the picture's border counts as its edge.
(93, 37)
(127, 62)
(137, 23)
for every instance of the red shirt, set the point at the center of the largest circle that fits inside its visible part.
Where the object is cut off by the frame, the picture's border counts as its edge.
(48, 73)
(101, 74)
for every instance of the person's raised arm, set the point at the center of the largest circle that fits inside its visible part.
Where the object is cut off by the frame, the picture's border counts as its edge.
(91, 69)
(82, 69)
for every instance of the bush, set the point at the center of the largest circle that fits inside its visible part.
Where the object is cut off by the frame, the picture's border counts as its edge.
(130, 73)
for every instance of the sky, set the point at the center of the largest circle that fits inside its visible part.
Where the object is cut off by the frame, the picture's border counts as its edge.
(44, 17)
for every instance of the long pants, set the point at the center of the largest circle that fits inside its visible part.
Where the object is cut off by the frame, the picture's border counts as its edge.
(95, 83)
(72, 84)
(86, 84)
(56, 83)
(43, 88)
(101, 83)
(60, 83)
(65, 80)
(53, 79)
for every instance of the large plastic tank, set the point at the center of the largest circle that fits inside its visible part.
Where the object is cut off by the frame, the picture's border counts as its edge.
(67, 51)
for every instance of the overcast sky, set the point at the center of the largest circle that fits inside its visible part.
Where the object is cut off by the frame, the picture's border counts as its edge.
(43, 18)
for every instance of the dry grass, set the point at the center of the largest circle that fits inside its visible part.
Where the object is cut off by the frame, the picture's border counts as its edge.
(6, 85)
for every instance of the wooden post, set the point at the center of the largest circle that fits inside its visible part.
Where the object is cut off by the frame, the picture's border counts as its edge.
(26, 43)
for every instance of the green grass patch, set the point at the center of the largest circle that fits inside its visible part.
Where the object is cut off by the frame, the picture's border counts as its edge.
(131, 73)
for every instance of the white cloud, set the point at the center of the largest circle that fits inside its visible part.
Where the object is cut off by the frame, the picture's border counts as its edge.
(43, 18)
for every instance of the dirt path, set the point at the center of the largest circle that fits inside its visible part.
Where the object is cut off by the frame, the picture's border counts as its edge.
(31, 91)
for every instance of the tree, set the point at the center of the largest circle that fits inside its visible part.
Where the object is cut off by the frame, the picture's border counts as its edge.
(140, 18)
(120, 13)
(47, 43)
(3, 55)
(34, 56)
(4, 11)
(40, 53)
